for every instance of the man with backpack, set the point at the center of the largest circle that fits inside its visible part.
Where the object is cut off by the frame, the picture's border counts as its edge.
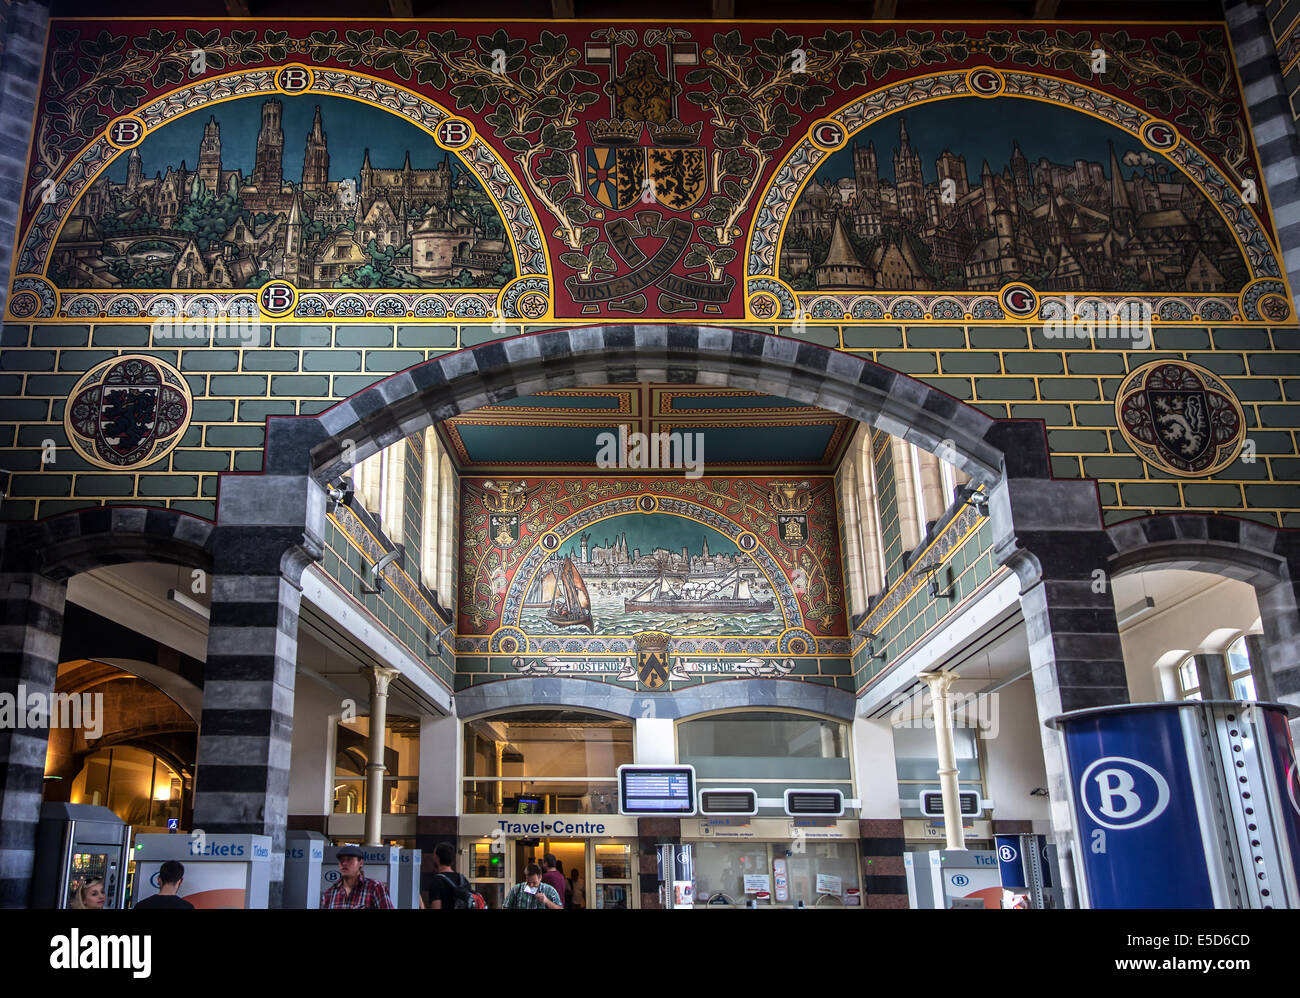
(447, 888)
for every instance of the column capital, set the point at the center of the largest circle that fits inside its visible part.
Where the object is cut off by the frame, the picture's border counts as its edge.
(379, 676)
(939, 682)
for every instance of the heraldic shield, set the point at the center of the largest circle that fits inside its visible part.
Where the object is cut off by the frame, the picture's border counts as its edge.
(616, 176)
(504, 528)
(652, 658)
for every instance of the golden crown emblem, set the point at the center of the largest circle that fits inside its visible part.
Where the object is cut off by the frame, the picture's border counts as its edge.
(615, 132)
(674, 133)
(789, 497)
(653, 640)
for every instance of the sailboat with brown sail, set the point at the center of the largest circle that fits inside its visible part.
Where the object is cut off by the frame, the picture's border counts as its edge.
(570, 605)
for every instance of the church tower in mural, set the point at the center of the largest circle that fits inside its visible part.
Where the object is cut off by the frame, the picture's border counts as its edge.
(210, 155)
(316, 158)
(268, 172)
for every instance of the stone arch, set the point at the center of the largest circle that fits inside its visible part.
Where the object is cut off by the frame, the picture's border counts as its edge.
(726, 694)
(446, 386)
(1250, 552)
(63, 546)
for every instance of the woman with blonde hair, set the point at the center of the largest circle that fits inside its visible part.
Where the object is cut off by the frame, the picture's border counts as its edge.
(91, 894)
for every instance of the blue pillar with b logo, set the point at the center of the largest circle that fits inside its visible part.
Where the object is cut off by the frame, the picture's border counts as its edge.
(1144, 783)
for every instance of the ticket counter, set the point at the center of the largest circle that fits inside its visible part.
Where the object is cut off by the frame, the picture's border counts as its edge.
(774, 862)
(496, 849)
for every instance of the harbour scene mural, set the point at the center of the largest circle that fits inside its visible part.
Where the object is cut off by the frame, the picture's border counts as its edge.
(652, 580)
(638, 577)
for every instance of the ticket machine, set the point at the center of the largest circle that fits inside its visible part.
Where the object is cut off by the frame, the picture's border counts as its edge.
(407, 894)
(75, 844)
(304, 852)
(221, 871)
(382, 863)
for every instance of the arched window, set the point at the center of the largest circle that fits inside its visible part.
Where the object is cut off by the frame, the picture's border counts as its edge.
(133, 783)
(1189, 680)
(853, 538)
(1240, 679)
(910, 526)
(446, 531)
(873, 544)
(429, 520)
(931, 499)
(394, 492)
(368, 479)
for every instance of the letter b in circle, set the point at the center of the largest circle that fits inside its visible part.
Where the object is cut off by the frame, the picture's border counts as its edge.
(453, 133)
(126, 132)
(1120, 793)
(277, 298)
(293, 79)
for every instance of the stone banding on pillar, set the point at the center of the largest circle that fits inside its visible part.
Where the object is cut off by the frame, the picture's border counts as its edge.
(31, 623)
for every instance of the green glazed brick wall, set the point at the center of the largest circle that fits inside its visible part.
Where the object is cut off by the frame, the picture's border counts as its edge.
(971, 565)
(1006, 371)
(345, 563)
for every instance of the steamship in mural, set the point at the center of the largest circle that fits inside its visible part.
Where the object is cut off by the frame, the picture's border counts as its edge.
(969, 195)
(655, 572)
(346, 205)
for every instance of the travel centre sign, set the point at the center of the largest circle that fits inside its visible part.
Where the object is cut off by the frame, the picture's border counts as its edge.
(585, 826)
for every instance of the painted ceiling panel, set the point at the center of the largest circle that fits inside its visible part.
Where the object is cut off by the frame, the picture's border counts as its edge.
(559, 430)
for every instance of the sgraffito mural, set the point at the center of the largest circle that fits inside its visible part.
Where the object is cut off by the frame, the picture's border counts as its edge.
(337, 170)
(650, 580)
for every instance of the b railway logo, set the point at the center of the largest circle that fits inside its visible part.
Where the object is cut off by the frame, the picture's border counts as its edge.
(1121, 793)
(1007, 854)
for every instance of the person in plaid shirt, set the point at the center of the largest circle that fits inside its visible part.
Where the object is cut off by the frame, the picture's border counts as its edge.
(532, 893)
(353, 889)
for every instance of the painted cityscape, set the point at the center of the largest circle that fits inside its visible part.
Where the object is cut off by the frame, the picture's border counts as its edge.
(1086, 207)
(249, 211)
(637, 572)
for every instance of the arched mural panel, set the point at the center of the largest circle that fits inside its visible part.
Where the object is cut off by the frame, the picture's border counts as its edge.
(653, 581)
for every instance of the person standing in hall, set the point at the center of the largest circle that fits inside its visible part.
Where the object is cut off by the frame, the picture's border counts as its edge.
(532, 893)
(170, 877)
(552, 875)
(354, 890)
(445, 882)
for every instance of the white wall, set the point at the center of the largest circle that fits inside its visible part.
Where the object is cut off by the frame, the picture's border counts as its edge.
(1013, 755)
(873, 766)
(654, 741)
(441, 746)
(315, 713)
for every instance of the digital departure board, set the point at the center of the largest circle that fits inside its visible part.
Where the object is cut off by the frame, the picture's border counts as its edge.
(656, 790)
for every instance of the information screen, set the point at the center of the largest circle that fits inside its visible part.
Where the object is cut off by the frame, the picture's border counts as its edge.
(656, 790)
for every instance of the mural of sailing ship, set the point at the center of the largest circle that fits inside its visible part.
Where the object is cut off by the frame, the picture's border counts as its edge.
(729, 595)
(651, 571)
(564, 596)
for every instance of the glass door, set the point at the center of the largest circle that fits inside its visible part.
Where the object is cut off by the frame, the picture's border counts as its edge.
(487, 872)
(611, 877)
